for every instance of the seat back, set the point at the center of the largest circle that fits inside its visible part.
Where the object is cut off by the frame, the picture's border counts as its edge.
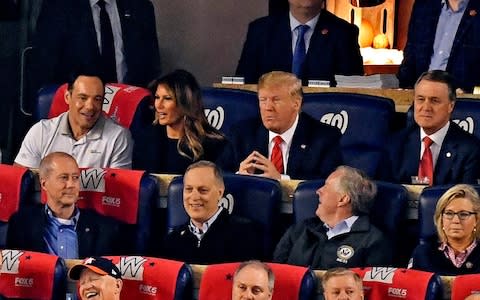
(224, 107)
(465, 285)
(260, 202)
(154, 278)
(125, 195)
(32, 275)
(466, 114)
(291, 282)
(387, 213)
(127, 105)
(364, 121)
(392, 283)
(426, 210)
(16, 190)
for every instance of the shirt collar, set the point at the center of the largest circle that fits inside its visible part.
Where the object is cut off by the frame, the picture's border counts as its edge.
(438, 136)
(294, 23)
(205, 226)
(94, 2)
(94, 133)
(73, 221)
(287, 136)
(462, 5)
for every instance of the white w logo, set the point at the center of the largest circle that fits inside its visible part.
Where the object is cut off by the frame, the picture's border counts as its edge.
(11, 261)
(467, 124)
(337, 120)
(215, 116)
(93, 180)
(376, 274)
(131, 267)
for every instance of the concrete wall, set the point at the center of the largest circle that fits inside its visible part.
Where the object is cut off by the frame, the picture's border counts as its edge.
(204, 37)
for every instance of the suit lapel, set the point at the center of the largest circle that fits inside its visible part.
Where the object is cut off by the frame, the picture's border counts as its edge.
(298, 147)
(261, 141)
(319, 39)
(85, 235)
(446, 157)
(412, 145)
(471, 12)
(281, 44)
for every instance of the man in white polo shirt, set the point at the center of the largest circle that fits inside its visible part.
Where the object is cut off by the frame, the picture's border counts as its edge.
(83, 131)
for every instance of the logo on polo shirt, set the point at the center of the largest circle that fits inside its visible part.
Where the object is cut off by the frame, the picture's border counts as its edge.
(337, 120)
(215, 116)
(344, 253)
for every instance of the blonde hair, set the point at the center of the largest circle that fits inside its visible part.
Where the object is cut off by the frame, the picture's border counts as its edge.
(457, 191)
(280, 78)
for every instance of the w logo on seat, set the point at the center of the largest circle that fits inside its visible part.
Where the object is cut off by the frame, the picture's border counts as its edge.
(468, 124)
(215, 116)
(380, 274)
(337, 120)
(131, 267)
(11, 261)
(93, 180)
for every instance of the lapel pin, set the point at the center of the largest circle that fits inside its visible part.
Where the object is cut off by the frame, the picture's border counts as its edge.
(469, 265)
(303, 146)
(324, 31)
(448, 154)
(472, 13)
(87, 229)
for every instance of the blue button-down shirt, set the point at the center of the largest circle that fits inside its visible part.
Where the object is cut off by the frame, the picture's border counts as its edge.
(447, 27)
(60, 235)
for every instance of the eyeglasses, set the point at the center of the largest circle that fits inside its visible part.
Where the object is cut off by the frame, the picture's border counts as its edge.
(462, 215)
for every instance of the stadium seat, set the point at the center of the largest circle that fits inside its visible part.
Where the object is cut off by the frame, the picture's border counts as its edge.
(32, 275)
(224, 107)
(393, 283)
(466, 114)
(154, 278)
(464, 285)
(129, 105)
(364, 121)
(16, 190)
(291, 282)
(260, 202)
(125, 195)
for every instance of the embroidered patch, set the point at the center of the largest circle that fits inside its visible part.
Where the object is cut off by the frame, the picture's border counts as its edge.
(344, 253)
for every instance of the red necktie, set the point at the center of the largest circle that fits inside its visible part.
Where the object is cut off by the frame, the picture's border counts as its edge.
(277, 158)
(425, 169)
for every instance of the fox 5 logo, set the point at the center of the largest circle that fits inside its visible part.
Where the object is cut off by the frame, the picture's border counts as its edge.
(215, 116)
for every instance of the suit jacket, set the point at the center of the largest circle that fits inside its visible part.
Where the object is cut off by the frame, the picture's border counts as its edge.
(464, 60)
(333, 49)
(314, 153)
(66, 40)
(458, 160)
(229, 239)
(97, 235)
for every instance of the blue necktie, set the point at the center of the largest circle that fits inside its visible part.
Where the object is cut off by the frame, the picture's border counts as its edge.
(300, 50)
(108, 47)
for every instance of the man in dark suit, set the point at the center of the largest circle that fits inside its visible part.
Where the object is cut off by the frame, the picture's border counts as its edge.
(69, 37)
(211, 235)
(443, 35)
(59, 227)
(309, 149)
(331, 44)
(455, 153)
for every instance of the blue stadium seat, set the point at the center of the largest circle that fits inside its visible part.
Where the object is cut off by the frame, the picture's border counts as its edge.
(364, 121)
(466, 114)
(16, 190)
(395, 283)
(224, 107)
(151, 278)
(260, 202)
(32, 275)
(291, 282)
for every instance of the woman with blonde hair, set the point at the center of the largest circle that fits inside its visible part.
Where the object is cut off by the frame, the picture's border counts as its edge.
(455, 250)
(180, 133)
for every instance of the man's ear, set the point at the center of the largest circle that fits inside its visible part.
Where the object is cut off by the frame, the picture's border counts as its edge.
(344, 200)
(42, 184)
(119, 285)
(67, 96)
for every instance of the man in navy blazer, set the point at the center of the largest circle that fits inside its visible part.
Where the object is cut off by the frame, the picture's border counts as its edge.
(59, 227)
(66, 40)
(455, 152)
(426, 51)
(331, 43)
(310, 149)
